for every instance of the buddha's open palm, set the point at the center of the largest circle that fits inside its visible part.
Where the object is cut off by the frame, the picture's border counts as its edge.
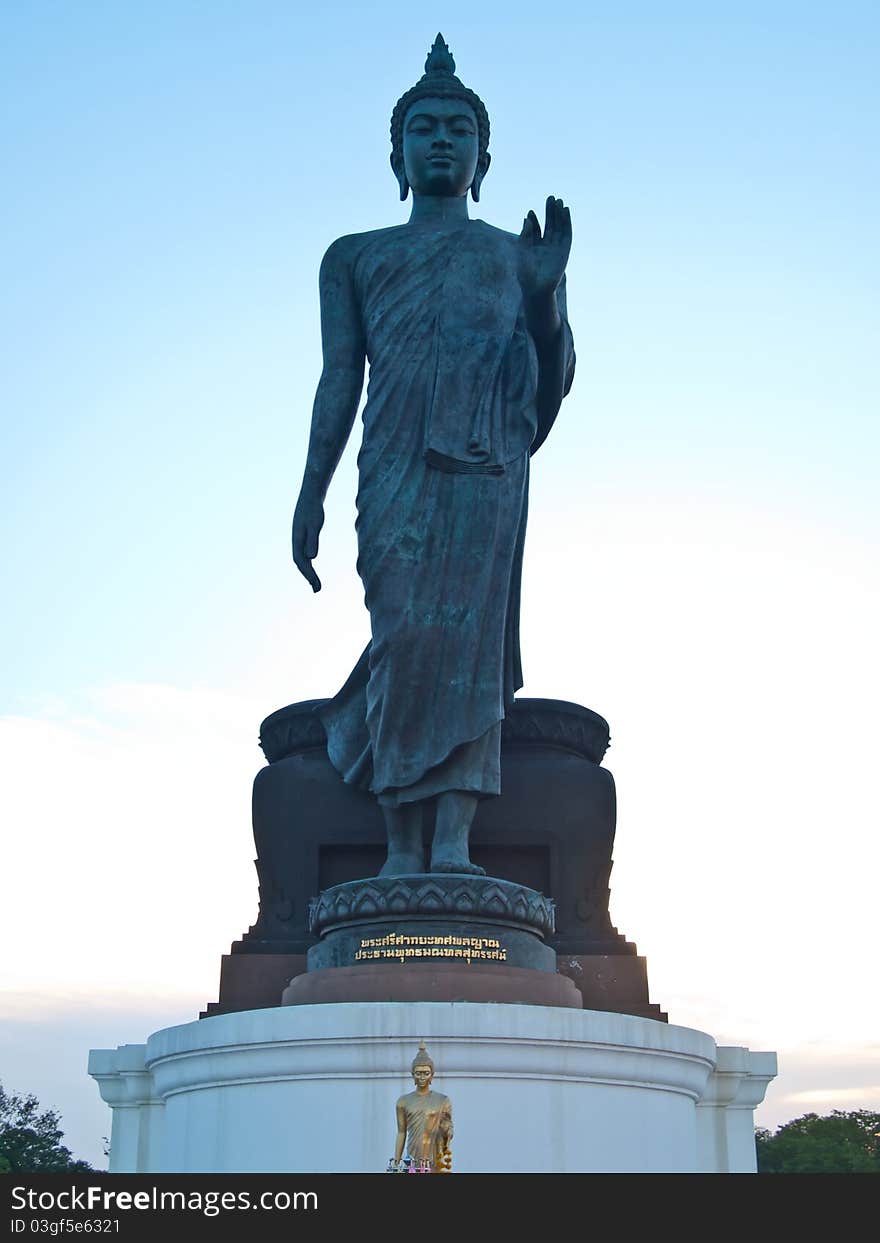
(542, 259)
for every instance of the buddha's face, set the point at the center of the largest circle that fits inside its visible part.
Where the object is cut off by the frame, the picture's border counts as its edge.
(440, 147)
(423, 1075)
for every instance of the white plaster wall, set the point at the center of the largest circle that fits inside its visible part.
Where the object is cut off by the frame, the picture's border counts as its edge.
(312, 1089)
(137, 1130)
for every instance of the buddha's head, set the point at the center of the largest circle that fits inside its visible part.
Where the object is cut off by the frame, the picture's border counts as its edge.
(422, 1068)
(440, 133)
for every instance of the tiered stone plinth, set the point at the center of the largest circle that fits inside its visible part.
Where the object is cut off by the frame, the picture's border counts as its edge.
(432, 938)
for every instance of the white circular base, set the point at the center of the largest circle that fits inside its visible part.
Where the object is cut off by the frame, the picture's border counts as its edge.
(312, 1089)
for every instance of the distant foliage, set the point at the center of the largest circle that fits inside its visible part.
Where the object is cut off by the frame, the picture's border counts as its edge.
(30, 1141)
(840, 1143)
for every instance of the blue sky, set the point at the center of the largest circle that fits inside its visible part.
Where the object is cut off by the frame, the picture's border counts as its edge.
(701, 562)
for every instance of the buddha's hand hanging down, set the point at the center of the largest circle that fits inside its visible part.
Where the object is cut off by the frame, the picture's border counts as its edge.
(307, 522)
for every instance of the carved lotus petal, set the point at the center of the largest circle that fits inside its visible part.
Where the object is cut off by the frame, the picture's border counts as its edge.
(519, 908)
(463, 902)
(432, 899)
(494, 902)
(399, 899)
(368, 902)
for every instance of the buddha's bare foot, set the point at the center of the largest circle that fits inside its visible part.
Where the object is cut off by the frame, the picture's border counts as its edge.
(401, 863)
(452, 863)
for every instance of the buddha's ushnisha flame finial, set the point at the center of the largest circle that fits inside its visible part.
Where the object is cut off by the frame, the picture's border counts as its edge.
(440, 59)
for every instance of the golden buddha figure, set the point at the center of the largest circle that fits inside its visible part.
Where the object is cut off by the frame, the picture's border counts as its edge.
(424, 1120)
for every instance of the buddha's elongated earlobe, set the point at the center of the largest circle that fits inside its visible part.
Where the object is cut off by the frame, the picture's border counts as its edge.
(482, 169)
(400, 174)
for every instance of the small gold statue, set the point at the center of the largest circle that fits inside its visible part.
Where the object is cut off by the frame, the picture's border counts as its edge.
(424, 1122)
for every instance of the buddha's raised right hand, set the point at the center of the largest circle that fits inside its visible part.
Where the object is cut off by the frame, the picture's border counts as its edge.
(542, 258)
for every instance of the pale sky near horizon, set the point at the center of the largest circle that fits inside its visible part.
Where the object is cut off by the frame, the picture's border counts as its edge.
(701, 563)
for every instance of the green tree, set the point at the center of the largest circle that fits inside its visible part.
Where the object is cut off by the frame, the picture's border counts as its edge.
(30, 1140)
(840, 1143)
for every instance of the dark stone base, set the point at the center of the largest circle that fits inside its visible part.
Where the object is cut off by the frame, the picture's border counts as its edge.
(416, 920)
(440, 981)
(551, 830)
(506, 946)
(420, 896)
(251, 981)
(615, 982)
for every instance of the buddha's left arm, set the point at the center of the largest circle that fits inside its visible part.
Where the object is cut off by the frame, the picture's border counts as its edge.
(549, 327)
(446, 1121)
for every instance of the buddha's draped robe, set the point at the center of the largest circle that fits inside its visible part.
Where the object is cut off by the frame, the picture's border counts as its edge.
(422, 1117)
(442, 499)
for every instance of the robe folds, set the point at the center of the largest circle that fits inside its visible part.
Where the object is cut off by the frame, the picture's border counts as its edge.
(442, 501)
